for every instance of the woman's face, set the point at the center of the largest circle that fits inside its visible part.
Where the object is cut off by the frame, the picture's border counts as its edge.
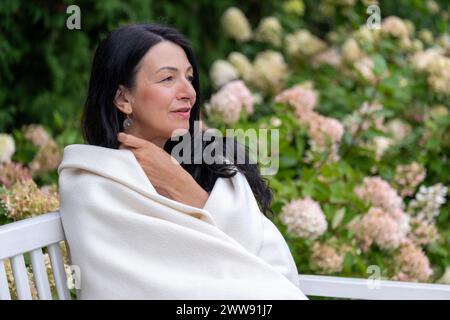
(163, 85)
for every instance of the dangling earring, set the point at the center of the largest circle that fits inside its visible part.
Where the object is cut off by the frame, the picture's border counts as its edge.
(127, 123)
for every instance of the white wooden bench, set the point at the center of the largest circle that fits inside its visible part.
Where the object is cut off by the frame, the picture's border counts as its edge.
(33, 234)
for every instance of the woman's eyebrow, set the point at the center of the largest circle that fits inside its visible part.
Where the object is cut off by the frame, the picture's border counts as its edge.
(172, 68)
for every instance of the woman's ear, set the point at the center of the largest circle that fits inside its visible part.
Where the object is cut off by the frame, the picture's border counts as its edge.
(122, 100)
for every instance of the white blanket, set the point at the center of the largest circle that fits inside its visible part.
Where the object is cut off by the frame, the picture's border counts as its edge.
(132, 243)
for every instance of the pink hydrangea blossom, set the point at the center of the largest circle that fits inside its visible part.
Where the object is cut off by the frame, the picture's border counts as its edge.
(226, 105)
(11, 172)
(382, 228)
(379, 193)
(325, 258)
(408, 177)
(303, 99)
(413, 264)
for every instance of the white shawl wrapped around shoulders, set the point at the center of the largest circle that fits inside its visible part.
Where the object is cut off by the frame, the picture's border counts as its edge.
(129, 242)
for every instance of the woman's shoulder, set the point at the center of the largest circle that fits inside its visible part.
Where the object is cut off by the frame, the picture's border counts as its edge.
(86, 154)
(118, 165)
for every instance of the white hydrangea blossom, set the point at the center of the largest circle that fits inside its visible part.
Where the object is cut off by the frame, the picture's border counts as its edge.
(7, 147)
(269, 71)
(428, 201)
(304, 217)
(242, 64)
(351, 51)
(269, 30)
(303, 43)
(236, 25)
(222, 72)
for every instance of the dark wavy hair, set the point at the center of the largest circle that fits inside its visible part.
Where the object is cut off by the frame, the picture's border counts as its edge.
(115, 63)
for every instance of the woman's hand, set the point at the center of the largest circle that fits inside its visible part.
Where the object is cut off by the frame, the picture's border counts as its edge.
(164, 172)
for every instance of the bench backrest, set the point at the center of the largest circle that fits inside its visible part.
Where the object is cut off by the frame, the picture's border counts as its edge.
(31, 236)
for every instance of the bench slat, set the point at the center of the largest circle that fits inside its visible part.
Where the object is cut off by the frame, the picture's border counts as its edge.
(21, 278)
(4, 289)
(58, 271)
(40, 274)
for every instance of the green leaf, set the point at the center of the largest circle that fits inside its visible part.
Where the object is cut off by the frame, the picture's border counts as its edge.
(380, 65)
(348, 263)
(338, 192)
(439, 250)
(337, 218)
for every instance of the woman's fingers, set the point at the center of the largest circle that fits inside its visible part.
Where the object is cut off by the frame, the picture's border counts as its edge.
(131, 141)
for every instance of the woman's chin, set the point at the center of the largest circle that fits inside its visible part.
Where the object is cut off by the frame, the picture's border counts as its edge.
(179, 130)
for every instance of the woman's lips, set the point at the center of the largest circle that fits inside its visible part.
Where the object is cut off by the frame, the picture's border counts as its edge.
(182, 114)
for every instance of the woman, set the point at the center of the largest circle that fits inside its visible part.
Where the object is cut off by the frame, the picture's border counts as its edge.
(141, 225)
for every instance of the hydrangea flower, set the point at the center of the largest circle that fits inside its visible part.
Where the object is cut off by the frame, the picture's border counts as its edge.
(236, 25)
(7, 147)
(304, 218)
(226, 105)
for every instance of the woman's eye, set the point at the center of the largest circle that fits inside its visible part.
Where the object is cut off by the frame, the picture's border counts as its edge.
(190, 78)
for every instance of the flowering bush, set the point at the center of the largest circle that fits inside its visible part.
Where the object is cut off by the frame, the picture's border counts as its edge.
(364, 125)
(20, 196)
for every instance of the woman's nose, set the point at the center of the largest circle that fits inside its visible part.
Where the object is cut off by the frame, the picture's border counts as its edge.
(187, 91)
